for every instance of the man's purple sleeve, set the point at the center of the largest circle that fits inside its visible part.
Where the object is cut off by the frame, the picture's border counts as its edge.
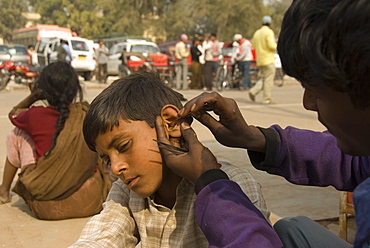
(228, 218)
(309, 158)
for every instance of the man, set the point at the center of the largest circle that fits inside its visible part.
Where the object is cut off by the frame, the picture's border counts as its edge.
(264, 43)
(314, 51)
(64, 52)
(182, 52)
(196, 66)
(244, 57)
(208, 65)
(101, 55)
(216, 52)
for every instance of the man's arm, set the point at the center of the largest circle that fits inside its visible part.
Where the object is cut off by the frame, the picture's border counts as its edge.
(226, 215)
(306, 157)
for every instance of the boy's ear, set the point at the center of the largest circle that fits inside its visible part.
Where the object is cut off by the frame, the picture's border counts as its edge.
(169, 118)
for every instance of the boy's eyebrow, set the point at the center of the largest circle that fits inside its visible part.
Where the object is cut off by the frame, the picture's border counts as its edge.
(115, 138)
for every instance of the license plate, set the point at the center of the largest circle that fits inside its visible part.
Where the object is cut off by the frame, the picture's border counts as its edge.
(81, 57)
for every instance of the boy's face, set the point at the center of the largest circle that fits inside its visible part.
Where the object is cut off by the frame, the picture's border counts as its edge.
(133, 156)
(338, 114)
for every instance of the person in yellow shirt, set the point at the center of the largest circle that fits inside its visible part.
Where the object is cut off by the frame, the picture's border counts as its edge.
(264, 42)
(182, 52)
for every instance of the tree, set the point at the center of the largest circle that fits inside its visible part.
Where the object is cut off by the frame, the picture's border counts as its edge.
(81, 16)
(11, 17)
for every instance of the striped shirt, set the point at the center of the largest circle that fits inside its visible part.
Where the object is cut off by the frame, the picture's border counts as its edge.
(130, 221)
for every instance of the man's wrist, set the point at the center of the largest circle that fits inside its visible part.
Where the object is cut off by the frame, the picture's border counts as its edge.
(208, 177)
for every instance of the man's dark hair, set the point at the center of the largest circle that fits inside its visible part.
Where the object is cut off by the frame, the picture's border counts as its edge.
(327, 43)
(138, 97)
(213, 34)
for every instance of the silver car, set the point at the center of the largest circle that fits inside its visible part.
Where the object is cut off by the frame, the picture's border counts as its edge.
(15, 53)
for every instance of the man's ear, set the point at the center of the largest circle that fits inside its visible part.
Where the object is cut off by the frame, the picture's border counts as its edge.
(170, 119)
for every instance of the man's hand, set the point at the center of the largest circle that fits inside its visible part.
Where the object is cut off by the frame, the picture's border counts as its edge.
(189, 165)
(231, 129)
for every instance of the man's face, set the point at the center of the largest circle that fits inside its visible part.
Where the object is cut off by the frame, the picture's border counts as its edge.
(133, 156)
(338, 114)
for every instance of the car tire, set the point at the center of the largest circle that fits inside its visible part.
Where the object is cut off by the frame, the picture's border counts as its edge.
(87, 75)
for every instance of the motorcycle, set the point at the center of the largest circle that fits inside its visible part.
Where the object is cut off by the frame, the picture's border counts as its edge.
(27, 75)
(22, 74)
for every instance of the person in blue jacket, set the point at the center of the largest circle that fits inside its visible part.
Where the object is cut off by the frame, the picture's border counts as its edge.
(326, 46)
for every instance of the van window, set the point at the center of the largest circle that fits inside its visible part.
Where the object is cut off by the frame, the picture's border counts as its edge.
(80, 46)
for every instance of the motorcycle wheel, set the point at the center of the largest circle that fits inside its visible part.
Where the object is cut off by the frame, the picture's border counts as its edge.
(4, 79)
(220, 78)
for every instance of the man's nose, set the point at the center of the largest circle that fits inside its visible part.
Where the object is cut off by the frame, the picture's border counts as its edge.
(309, 101)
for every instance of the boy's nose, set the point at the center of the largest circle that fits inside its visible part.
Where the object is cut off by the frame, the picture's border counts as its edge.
(118, 166)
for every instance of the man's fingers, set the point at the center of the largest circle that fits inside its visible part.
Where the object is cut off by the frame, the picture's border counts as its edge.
(208, 121)
(198, 102)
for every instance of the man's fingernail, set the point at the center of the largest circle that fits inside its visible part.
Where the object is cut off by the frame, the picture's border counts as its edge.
(185, 125)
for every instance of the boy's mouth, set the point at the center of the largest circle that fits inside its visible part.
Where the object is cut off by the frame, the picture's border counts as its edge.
(130, 181)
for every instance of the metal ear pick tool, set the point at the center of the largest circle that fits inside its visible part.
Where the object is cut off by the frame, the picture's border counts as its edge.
(169, 147)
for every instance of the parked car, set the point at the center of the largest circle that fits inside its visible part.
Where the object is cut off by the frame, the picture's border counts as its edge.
(14, 53)
(139, 51)
(83, 59)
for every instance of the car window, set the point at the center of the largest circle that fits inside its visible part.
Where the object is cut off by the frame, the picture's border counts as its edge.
(78, 45)
(144, 49)
(13, 50)
(117, 48)
(3, 50)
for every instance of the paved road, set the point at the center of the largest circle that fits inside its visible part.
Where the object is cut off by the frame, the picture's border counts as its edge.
(19, 229)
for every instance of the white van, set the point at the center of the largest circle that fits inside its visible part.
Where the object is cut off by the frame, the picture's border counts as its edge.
(83, 59)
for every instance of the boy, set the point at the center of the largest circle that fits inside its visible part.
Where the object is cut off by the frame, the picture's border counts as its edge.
(325, 45)
(148, 205)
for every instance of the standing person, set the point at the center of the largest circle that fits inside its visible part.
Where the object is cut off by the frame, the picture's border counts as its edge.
(101, 55)
(208, 65)
(201, 61)
(244, 57)
(265, 45)
(123, 69)
(64, 52)
(313, 51)
(196, 67)
(60, 177)
(216, 53)
(182, 52)
(33, 55)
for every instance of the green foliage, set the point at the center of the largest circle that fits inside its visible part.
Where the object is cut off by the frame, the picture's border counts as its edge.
(11, 17)
(163, 19)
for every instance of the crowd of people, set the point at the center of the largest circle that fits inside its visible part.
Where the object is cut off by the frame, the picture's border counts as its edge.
(206, 55)
(171, 191)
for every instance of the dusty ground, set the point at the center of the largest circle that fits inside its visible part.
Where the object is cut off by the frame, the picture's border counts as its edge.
(19, 229)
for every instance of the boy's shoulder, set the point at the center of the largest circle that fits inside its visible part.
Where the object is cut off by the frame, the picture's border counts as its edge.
(236, 173)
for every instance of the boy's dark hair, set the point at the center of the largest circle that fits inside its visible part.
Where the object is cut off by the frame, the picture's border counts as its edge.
(138, 97)
(327, 43)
